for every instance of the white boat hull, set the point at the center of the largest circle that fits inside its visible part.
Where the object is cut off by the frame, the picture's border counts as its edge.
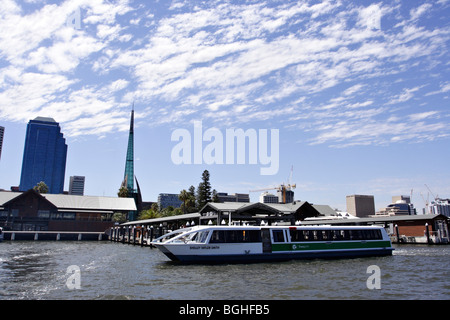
(268, 250)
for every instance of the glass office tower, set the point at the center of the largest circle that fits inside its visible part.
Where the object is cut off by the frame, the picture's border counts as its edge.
(44, 156)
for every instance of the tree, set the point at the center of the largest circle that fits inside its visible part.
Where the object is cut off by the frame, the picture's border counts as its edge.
(204, 190)
(123, 192)
(149, 214)
(171, 211)
(192, 207)
(184, 196)
(119, 217)
(41, 187)
(215, 197)
(155, 207)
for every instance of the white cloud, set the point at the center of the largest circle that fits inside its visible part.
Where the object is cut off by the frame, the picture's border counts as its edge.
(325, 66)
(406, 95)
(422, 115)
(444, 87)
(370, 17)
(353, 89)
(417, 12)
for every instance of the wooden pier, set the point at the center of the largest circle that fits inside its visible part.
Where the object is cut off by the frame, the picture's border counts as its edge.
(143, 232)
(54, 235)
(136, 234)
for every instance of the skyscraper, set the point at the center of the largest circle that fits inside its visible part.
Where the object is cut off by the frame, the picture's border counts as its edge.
(76, 185)
(44, 156)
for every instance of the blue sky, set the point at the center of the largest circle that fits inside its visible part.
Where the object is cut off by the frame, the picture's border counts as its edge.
(359, 91)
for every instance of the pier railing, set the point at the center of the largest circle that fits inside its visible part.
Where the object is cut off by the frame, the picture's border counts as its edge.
(136, 235)
(434, 237)
(54, 235)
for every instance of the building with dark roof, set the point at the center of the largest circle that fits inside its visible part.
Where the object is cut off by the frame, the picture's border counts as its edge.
(32, 211)
(257, 213)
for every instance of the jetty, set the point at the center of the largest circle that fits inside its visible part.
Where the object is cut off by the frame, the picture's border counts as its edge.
(419, 229)
(143, 232)
(55, 235)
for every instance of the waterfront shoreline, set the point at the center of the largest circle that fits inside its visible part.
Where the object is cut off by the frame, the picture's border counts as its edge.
(37, 270)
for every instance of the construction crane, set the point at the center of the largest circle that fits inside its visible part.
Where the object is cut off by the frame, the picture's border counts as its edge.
(282, 187)
(426, 202)
(434, 197)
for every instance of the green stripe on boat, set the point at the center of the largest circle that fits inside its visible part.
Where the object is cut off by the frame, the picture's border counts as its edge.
(330, 245)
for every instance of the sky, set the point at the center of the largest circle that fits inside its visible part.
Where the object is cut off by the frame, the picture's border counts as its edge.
(357, 92)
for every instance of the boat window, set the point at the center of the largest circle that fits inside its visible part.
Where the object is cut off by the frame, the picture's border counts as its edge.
(357, 235)
(318, 235)
(333, 235)
(296, 235)
(202, 236)
(199, 237)
(235, 236)
(278, 235)
(217, 236)
(373, 234)
(347, 235)
(309, 235)
(338, 235)
(378, 234)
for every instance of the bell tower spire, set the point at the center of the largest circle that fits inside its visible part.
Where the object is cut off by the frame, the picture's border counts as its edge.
(129, 164)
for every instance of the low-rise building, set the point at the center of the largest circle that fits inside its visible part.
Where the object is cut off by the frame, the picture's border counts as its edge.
(360, 205)
(32, 211)
(440, 206)
(235, 197)
(257, 213)
(169, 199)
(76, 185)
(267, 197)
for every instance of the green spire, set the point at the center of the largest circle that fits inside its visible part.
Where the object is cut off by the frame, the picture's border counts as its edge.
(129, 165)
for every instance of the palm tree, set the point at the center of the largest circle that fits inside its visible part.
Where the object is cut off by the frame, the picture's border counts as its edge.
(184, 196)
(149, 214)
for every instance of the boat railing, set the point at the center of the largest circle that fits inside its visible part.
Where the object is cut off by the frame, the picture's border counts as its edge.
(171, 235)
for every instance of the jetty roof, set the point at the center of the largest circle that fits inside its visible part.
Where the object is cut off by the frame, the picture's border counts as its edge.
(75, 202)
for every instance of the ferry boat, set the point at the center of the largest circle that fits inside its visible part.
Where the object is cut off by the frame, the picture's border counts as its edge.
(231, 244)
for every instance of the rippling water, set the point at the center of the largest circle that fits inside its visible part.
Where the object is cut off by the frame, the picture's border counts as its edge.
(38, 270)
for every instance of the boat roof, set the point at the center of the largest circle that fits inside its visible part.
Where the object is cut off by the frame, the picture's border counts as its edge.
(310, 227)
(187, 216)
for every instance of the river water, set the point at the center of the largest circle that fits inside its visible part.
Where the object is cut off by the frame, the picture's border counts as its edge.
(39, 270)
